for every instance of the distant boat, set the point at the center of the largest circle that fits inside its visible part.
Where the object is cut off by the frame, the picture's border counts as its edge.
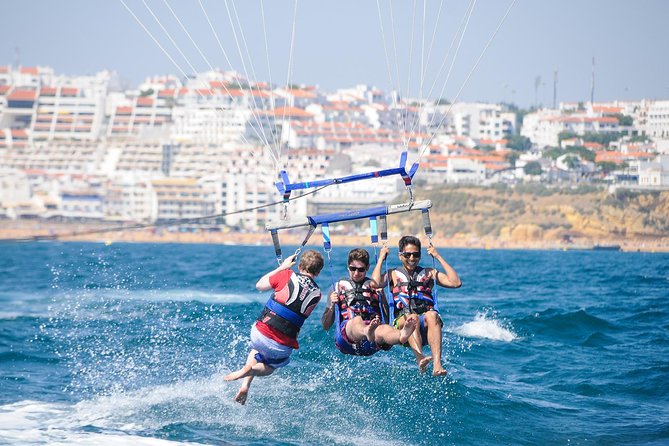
(606, 247)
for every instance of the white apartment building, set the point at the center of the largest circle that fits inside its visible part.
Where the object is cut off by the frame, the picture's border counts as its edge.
(480, 121)
(53, 107)
(186, 198)
(244, 190)
(657, 120)
(654, 173)
(544, 126)
(130, 198)
(465, 170)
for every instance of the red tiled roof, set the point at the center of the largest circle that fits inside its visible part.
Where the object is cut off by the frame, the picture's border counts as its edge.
(302, 93)
(21, 94)
(69, 91)
(48, 91)
(144, 102)
(289, 112)
(166, 93)
(29, 70)
(606, 109)
(4, 89)
(19, 134)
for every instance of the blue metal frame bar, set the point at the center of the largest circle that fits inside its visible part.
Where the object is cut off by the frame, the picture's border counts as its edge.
(285, 187)
(356, 214)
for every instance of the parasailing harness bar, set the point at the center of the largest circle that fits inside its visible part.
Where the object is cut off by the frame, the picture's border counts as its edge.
(377, 216)
(285, 187)
(355, 214)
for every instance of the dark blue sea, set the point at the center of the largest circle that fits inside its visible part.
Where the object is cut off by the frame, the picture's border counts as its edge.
(129, 343)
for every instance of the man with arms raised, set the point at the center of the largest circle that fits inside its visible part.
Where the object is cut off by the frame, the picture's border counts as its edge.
(412, 288)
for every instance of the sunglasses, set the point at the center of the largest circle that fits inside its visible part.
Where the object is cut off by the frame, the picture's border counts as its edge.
(355, 268)
(406, 255)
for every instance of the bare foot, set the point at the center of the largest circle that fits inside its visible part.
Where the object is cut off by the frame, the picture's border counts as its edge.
(438, 371)
(241, 395)
(370, 329)
(407, 330)
(422, 363)
(241, 373)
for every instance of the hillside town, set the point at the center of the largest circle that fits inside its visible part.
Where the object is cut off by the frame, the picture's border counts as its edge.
(83, 149)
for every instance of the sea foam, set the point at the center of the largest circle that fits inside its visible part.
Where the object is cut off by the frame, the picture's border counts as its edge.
(485, 327)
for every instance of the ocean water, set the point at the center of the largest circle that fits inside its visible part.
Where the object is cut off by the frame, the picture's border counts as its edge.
(129, 343)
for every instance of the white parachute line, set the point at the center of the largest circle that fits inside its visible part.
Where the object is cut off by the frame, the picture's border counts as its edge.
(211, 67)
(206, 60)
(289, 74)
(181, 70)
(254, 107)
(434, 33)
(415, 127)
(169, 36)
(463, 28)
(225, 55)
(478, 60)
(385, 50)
(141, 24)
(408, 125)
(397, 69)
(197, 47)
(272, 101)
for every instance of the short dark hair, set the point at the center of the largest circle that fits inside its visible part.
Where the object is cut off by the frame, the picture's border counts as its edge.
(359, 254)
(311, 262)
(409, 240)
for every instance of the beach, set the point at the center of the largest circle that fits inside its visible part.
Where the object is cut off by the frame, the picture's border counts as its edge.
(26, 230)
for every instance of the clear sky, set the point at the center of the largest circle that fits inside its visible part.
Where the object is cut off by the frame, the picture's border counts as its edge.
(340, 43)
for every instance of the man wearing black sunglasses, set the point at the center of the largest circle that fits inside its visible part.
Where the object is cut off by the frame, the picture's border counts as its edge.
(412, 288)
(355, 306)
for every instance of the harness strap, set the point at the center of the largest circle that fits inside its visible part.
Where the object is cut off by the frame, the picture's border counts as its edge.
(327, 247)
(306, 239)
(383, 228)
(286, 313)
(373, 229)
(277, 245)
(427, 225)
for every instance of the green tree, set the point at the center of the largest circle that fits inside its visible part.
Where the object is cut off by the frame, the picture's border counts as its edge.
(583, 152)
(512, 157)
(519, 143)
(624, 119)
(606, 166)
(553, 152)
(145, 93)
(533, 168)
(572, 162)
(566, 135)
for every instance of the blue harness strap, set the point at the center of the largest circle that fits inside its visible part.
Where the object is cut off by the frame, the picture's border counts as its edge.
(373, 229)
(286, 313)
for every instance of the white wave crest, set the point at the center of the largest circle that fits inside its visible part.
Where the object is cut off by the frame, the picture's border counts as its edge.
(486, 328)
(36, 423)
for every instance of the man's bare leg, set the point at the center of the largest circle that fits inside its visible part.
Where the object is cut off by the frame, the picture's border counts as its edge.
(244, 390)
(416, 343)
(357, 330)
(252, 368)
(385, 334)
(434, 324)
